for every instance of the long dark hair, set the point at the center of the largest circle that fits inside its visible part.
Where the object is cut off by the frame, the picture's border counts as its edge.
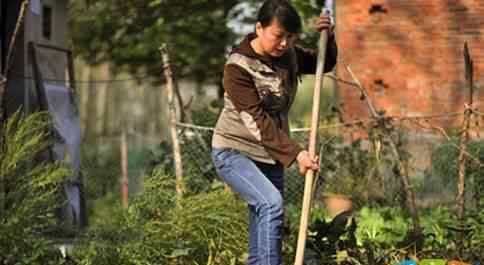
(281, 10)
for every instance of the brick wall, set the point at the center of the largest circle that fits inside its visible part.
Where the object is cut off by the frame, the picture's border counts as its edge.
(409, 54)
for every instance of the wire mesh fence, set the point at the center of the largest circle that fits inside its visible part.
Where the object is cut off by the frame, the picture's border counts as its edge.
(358, 161)
(366, 160)
(382, 164)
(355, 161)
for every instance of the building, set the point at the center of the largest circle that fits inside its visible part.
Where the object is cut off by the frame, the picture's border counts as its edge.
(37, 79)
(409, 54)
(44, 22)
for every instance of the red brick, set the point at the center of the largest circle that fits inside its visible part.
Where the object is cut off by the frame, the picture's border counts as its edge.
(416, 48)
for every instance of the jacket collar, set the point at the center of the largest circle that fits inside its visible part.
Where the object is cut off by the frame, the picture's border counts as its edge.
(246, 49)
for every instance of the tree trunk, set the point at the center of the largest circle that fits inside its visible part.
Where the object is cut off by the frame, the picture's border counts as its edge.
(106, 110)
(102, 102)
(91, 107)
(84, 100)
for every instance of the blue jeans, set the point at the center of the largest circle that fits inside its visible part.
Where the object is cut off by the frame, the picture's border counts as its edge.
(261, 186)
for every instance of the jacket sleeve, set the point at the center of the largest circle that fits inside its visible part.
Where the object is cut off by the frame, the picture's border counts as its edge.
(239, 86)
(307, 59)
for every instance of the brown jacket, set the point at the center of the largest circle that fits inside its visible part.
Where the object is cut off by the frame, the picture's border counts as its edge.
(258, 94)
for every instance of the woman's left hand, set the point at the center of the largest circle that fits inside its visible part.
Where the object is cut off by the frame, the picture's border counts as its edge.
(324, 23)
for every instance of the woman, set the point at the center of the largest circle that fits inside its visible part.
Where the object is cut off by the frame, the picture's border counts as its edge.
(251, 143)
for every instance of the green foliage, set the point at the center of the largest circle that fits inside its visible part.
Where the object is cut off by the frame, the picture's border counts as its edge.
(161, 159)
(383, 236)
(30, 190)
(129, 34)
(309, 11)
(333, 239)
(450, 237)
(445, 167)
(101, 166)
(204, 117)
(207, 228)
(350, 170)
(385, 227)
(198, 168)
(300, 113)
(386, 232)
(475, 237)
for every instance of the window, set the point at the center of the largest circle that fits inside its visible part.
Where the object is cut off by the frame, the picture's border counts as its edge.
(377, 12)
(380, 87)
(47, 22)
(374, 9)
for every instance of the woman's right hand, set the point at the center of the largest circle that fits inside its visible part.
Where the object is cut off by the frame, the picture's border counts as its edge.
(323, 22)
(305, 162)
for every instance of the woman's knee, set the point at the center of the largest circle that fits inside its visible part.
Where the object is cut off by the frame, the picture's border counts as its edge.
(273, 203)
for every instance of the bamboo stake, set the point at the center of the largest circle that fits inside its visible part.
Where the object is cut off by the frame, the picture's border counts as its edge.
(172, 123)
(124, 170)
(313, 137)
(464, 138)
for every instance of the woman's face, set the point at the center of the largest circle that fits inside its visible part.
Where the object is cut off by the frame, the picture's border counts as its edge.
(274, 39)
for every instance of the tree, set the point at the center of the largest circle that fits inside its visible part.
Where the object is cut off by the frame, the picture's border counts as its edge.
(128, 33)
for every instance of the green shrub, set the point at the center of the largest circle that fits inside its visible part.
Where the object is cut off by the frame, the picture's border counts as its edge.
(383, 236)
(383, 226)
(30, 191)
(445, 168)
(206, 228)
(101, 166)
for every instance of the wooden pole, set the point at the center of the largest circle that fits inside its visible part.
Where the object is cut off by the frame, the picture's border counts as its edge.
(313, 137)
(3, 85)
(172, 123)
(464, 138)
(9, 55)
(124, 169)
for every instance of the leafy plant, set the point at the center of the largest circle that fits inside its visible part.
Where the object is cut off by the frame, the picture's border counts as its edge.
(383, 226)
(332, 240)
(445, 165)
(350, 170)
(206, 228)
(30, 189)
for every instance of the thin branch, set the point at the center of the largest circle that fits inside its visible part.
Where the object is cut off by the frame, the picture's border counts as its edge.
(335, 125)
(363, 91)
(380, 120)
(337, 79)
(192, 126)
(475, 111)
(449, 138)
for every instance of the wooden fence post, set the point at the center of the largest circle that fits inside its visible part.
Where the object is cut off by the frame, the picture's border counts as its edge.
(124, 169)
(172, 123)
(464, 137)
